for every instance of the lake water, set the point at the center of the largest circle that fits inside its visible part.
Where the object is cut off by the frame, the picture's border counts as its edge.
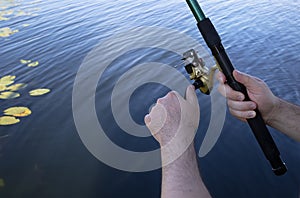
(44, 156)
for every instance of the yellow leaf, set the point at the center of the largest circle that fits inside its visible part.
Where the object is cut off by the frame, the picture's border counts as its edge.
(22, 13)
(6, 32)
(8, 120)
(17, 111)
(7, 12)
(2, 87)
(39, 92)
(2, 18)
(16, 87)
(25, 61)
(7, 80)
(34, 64)
(9, 95)
(2, 184)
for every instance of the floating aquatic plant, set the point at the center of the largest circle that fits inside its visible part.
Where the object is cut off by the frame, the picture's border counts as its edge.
(22, 13)
(2, 18)
(29, 63)
(33, 64)
(9, 95)
(7, 87)
(17, 111)
(39, 92)
(2, 184)
(2, 87)
(16, 87)
(8, 120)
(7, 80)
(4, 13)
(11, 114)
(25, 61)
(6, 32)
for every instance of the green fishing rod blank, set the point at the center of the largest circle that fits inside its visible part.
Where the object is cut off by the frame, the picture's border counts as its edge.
(196, 10)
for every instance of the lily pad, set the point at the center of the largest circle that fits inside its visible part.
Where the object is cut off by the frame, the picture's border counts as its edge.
(33, 64)
(2, 184)
(15, 87)
(6, 32)
(2, 87)
(7, 80)
(7, 12)
(9, 95)
(22, 13)
(39, 92)
(8, 120)
(25, 61)
(17, 111)
(2, 18)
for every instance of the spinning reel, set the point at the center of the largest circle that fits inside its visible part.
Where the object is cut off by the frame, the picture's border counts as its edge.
(198, 72)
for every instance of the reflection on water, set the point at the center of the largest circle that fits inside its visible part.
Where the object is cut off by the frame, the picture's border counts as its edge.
(43, 156)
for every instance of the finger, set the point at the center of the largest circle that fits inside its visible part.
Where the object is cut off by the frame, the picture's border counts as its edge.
(230, 94)
(175, 97)
(241, 105)
(169, 98)
(242, 114)
(249, 81)
(191, 96)
(156, 118)
(147, 119)
(242, 119)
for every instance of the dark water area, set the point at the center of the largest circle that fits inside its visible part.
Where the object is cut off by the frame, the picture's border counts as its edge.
(44, 156)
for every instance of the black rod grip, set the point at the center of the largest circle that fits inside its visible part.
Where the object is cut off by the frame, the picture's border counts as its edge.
(257, 124)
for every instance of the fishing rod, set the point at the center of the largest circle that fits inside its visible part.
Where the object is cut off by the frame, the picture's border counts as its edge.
(203, 80)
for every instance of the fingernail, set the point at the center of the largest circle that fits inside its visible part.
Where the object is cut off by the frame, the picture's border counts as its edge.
(240, 97)
(253, 106)
(251, 114)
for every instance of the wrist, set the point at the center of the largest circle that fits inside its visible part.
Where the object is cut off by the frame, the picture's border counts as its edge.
(187, 154)
(275, 111)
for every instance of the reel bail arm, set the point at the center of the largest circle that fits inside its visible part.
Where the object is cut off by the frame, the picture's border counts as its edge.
(198, 72)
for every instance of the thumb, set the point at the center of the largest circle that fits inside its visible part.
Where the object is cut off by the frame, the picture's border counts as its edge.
(147, 120)
(247, 80)
(190, 95)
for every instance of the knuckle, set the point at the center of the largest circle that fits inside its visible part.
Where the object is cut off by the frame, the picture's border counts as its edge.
(229, 103)
(159, 101)
(172, 93)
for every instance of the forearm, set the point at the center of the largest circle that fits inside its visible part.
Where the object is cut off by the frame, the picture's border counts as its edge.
(181, 178)
(286, 118)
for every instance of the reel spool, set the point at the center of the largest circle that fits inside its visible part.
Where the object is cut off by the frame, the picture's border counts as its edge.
(198, 72)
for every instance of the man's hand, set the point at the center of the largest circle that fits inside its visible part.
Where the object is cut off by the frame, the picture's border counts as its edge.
(260, 95)
(172, 113)
(175, 116)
